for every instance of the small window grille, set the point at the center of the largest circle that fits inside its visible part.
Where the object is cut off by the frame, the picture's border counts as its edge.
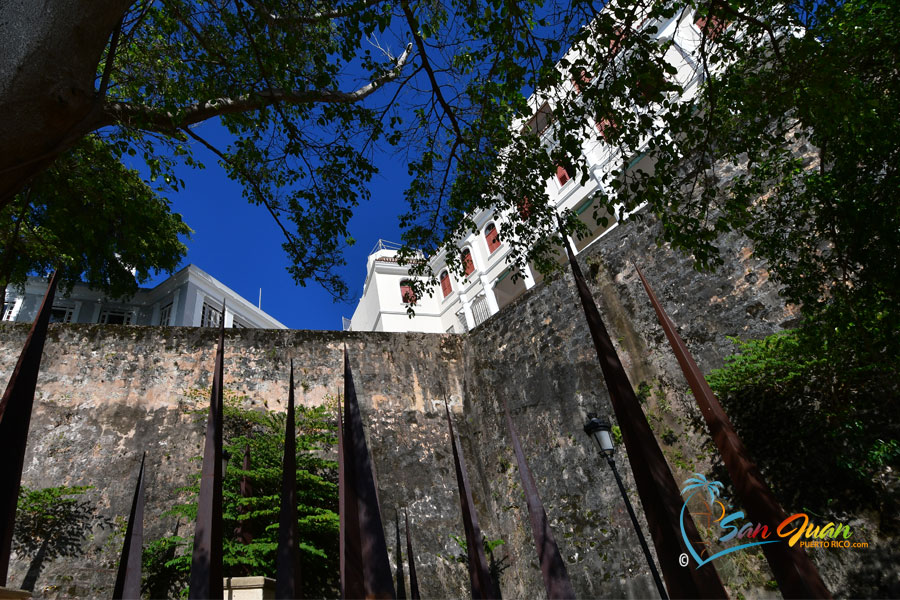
(480, 311)
(210, 316)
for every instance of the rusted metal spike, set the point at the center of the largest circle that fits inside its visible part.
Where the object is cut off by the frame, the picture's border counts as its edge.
(413, 580)
(795, 573)
(361, 492)
(287, 557)
(351, 553)
(401, 583)
(553, 568)
(243, 533)
(479, 573)
(206, 561)
(15, 419)
(128, 577)
(659, 494)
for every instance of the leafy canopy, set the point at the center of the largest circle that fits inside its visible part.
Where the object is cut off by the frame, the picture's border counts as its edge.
(93, 219)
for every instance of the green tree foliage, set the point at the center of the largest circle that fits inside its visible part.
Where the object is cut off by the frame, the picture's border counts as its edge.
(167, 561)
(820, 411)
(94, 219)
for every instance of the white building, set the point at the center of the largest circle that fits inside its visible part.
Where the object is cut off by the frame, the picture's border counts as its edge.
(459, 305)
(191, 297)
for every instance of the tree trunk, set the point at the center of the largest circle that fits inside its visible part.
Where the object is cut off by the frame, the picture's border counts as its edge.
(48, 63)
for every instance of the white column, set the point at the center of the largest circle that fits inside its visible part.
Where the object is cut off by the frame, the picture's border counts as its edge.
(229, 318)
(489, 296)
(527, 277)
(174, 308)
(467, 311)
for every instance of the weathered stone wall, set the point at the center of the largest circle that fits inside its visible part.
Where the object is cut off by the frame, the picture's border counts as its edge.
(106, 393)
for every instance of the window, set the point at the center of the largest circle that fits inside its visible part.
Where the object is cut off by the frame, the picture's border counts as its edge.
(8, 308)
(406, 292)
(211, 316)
(235, 323)
(165, 313)
(480, 310)
(541, 120)
(711, 25)
(116, 317)
(492, 237)
(582, 80)
(607, 128)
(615, 44)
(524, 207)
(60, 314)
(562, 175)
(445, 284)
(468, 263)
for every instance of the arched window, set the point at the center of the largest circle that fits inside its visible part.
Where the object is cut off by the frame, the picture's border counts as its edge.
(406, 292)
(492, 237)
(445, 284)
(468, 263)
(562, 175)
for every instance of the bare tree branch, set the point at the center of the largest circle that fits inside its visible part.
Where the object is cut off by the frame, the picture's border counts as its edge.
(414, 29)
(158, 120)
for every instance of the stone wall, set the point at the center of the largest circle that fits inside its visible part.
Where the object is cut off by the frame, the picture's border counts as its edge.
(106, 393)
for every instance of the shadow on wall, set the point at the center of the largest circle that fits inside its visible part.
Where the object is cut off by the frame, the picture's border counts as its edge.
(53, 523)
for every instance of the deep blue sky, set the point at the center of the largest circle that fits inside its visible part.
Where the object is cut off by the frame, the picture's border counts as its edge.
(240, 245)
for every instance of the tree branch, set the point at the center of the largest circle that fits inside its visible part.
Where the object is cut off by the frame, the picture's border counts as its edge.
(414, 29)
(310, 19)
(157, 120)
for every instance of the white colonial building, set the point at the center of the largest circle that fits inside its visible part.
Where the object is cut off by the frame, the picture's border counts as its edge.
(458, 305)
(191, 297)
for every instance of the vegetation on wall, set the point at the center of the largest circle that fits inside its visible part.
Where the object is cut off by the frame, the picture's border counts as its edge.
(820, 412)
(251, 522)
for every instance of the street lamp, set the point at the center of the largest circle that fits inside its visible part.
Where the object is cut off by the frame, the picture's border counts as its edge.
(601, 432)
(226, 456)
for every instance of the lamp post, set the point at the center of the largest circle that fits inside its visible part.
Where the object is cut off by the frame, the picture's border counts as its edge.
(601, 432)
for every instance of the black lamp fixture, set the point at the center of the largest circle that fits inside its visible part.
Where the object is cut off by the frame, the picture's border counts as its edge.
(600, 431)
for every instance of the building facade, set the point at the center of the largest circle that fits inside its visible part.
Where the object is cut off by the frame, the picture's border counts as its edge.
(191, 298)
(457, 305)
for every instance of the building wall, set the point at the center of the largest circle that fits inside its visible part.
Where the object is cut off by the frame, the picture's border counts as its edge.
(107, 393)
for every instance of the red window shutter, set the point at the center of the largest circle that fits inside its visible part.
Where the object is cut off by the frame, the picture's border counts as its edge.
(445, 284)
(524, 208)
(492, 237)
(582, 79)
(711, 25)
(468, 263)
(562, 175)
(406, 293)
(606, 127)
(615, 44)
